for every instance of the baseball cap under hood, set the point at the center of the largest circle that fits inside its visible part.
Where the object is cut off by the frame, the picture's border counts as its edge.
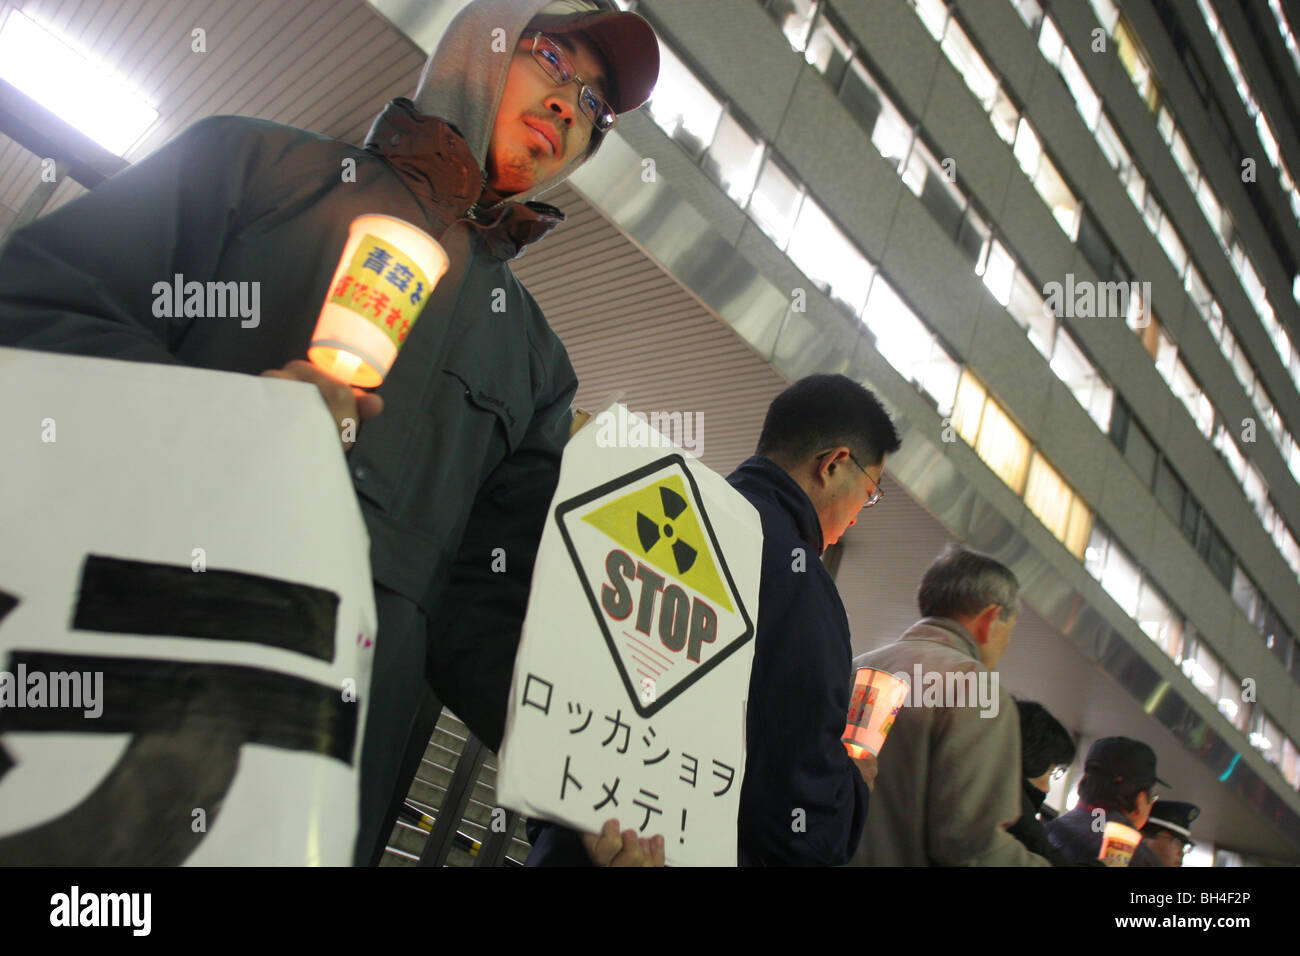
(465, 76)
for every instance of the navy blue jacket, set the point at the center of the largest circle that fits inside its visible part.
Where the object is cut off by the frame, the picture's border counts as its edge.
(802, 802)
(1073, 835)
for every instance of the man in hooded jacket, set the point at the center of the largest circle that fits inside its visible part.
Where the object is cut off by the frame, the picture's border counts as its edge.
(464, 457)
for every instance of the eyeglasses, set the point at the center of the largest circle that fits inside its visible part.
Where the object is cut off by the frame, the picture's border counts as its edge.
(876, 494)
(555, 61)
(1059, 772)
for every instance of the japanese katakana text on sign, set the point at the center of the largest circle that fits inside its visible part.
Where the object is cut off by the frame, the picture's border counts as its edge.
(629, 688)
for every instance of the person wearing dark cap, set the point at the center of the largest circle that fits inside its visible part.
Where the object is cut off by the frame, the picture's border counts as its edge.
(458, 452)
(1168, 832)
(1117, 786)
(1046, 750)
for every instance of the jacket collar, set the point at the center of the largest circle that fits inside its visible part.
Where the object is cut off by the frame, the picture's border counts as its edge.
(436, 164)
(759, 472)
(945, 631)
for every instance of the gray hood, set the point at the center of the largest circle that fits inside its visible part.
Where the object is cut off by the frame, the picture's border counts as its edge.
(464, 78)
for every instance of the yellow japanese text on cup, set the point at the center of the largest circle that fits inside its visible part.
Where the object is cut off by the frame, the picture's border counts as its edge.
(1118, 844)
(384, 277)
(876, 699)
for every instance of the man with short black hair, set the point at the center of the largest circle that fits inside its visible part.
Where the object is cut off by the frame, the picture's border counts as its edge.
(1117, 786)
(949, 769)
(1168, 833)
(803, 799)
(1046, 750)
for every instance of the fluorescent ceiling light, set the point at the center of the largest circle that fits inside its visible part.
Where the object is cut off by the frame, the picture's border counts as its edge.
(82, 90)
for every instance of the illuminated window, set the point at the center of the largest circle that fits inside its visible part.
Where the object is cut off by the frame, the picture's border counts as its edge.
(1172, 245)
(1198, 290)
(925, 177)
(1082, 378)
(1028, 309)
(973, 238)
(1228, 449)
(1055, 504)
(863, 97)
(1182, 154)
(1135, 64)
(829, 259)
(1030, 11)
(1291, 763)
(966, 60)
(909, 346)
(934, 14)
(1065, 207)
(775, 202)
(1028, 150)
(1203, 669)
(1244, 593)
(1121, 579)
(1267, 738)
(1107, 13)
(1094, 558)
(1005, 117)
(1003, 447)
(733, 159)
(1086, 100)
(1050, 43)
(794, 17)
(1159, 621)
(999, 270)
(829, 52)
(1252, 483)
(682, 106)
(1230, 703)
(1111, 146)
(968, 409)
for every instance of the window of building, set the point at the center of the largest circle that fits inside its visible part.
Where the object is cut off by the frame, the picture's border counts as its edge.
(1267, 738)
(1094, 557)
(1291, 763)
(1053, 190)
(1086, 100)
(1055, 504)
(1140, 452)
(961, 53)
(1005, 117)
(973, 238)
(968, 410)
(1182, 154)
(1159, 621)
(1111, 146)
(1253, 484)
(1194, 400)
(682, 106)
(1095, 247)
(1135, 64)
(1107, 13)
(1198, 290)
(1231, 704)
(909, 346)
(1050, 43)
(794, 17)
(1203, 669)
(1003, 447)
(1030, 11)
(1031, 313)
(1028, 150)
(1228, 449)
(829, 258)
(925, 177)
(999, 270)
(934, 14)
(1136, 187)
(775, 202)
(891, 134)
(1172, 245)
(1082, 378)
(734, 158)
(1121, 579)
(829, 52)
(1244, 593)
(1170, 490)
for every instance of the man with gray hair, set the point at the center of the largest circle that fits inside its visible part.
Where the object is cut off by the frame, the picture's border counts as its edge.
(949, 770)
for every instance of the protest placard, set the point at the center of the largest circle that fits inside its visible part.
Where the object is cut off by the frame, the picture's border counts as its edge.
(629, 688)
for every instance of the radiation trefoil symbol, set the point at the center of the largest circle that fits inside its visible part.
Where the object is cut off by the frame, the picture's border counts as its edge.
(656, 579)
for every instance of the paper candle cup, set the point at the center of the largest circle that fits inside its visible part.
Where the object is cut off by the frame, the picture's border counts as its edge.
(875, 702)
(1118, 844)
(385, 276)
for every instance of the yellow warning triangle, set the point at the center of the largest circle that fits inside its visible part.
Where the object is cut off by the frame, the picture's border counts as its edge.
(658, 524)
